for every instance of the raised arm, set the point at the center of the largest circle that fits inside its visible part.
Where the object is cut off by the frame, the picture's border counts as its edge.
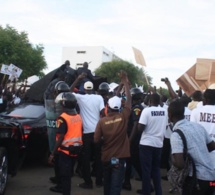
(125, 82)
(172, 93)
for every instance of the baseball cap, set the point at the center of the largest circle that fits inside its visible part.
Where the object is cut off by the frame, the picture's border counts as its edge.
(114, 103)
(88, 85)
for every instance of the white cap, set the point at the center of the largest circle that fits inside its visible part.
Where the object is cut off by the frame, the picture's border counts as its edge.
(88, 85)
(114, 103)
(112, 86)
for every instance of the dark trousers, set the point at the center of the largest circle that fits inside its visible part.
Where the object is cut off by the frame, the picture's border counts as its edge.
(165, 156)
(91, 149)
(113, 177)
(133, 161)
(65, 165)
(150, 163)
(57, 168)
(205, 187)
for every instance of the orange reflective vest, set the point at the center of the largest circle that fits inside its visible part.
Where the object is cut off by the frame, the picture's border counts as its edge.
(73, 135)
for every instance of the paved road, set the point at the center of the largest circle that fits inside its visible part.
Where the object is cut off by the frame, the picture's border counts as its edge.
(33, 180)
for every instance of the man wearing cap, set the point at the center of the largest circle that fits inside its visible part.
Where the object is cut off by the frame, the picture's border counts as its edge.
(111, 131)
(91, 108)
(87, 72)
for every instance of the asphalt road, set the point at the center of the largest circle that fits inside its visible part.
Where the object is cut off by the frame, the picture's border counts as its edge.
(34, 180)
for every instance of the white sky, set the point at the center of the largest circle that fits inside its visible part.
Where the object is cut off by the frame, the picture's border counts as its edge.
(170, 33)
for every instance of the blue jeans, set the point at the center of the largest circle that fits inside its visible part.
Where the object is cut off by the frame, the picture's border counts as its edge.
(113, 177)
(150, 158)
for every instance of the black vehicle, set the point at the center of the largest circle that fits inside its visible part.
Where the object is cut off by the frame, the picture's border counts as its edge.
(23, 135)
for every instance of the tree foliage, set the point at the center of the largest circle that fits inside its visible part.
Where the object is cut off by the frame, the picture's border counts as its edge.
(15, 48)
(110, 69)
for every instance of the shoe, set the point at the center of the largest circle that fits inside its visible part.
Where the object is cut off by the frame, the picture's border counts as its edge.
(164, 178)
(173, 190)
(78, 172)
(56, 189)
(126, 186)
(86, 186)
(99, 185)
(141, 192)
(53, 180)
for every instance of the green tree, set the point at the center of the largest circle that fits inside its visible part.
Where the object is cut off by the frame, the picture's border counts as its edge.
(15, 48)
(136, 75)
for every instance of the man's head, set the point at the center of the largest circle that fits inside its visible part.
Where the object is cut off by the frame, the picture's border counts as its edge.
(85, 65)
(60, 87)
(136, 94)
(209, 97)
(67, 62)
(154, 99)
(88, 87)
(103, 88)
(114, 103)
(67, 100)
(197, 96)
(176, 110)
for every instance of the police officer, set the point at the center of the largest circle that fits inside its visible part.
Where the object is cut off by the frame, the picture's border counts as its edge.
(103, 90)
(68, 138)
(134, 137)
(53, 110)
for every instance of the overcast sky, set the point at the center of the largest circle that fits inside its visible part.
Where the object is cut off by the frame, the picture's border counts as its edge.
(171, 34)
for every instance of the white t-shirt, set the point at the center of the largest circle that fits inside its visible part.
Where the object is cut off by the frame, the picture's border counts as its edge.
(90, 106)
(205, 116)
(155, 120)
(187, 113)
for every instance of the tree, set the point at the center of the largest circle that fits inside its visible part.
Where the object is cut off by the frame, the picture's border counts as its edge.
(110, 69)
(15, 48)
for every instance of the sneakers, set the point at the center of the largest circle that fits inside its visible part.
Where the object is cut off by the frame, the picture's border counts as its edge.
(86, 186)
(53, 180)
(57, 189)
(173, 190)
(141, 192)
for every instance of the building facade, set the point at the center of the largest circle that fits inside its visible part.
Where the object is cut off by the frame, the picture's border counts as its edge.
(94, 55)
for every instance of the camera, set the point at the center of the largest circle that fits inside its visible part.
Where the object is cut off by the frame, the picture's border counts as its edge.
(163, 79)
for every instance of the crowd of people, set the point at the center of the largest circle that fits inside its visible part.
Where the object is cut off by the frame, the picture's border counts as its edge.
(11, 95)
(113, 135)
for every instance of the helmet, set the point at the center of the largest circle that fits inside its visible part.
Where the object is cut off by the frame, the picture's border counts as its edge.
(103, 88)
(60, 87)
(136, 93)
(67, 99)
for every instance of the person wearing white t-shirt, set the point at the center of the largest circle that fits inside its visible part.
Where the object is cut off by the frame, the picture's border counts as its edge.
(91, 108)
(205, 115)
(152, 124)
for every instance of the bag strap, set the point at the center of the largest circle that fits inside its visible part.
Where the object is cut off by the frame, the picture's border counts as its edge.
(181, 134)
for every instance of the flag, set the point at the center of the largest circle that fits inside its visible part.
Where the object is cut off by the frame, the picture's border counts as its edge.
(139, 57)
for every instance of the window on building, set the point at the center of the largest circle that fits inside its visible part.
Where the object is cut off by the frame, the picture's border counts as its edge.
(81, 52)
(79, 65)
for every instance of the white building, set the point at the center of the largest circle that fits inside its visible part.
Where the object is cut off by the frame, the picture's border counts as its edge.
(94, 55)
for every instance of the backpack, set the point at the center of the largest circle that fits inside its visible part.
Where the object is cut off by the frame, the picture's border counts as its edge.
(176, 176)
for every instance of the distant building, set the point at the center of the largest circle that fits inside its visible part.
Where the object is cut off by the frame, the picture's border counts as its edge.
(94, 55)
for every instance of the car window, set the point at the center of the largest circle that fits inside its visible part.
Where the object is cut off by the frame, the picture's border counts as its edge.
(29, 111)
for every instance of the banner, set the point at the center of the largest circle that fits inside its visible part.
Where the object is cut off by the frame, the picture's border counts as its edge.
(5, 69)
(139, 57)
(15, 72)
(199, 77)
